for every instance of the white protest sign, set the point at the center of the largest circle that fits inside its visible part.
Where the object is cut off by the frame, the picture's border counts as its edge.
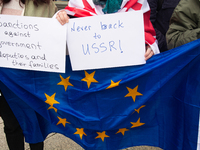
(104, 41)
(32, 43)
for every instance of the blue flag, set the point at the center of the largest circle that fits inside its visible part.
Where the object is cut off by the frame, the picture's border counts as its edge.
(156, 104)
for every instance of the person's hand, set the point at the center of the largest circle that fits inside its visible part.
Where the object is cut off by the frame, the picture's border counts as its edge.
(149, 52)
(62, 17)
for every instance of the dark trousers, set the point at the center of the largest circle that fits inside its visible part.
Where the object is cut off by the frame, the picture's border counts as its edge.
(12, 129)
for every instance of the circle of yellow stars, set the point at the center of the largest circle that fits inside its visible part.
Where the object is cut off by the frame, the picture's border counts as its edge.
(89, 78)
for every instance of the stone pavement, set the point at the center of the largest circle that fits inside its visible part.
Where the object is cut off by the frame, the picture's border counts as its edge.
(57, 141)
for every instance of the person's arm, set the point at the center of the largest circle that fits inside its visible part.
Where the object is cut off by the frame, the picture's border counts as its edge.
(150, 36)
(151, 45)
(184, 24)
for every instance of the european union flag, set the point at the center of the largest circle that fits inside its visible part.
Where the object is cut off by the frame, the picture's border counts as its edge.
(155, 104)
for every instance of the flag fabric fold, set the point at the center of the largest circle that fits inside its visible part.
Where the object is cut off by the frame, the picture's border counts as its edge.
(156, 104)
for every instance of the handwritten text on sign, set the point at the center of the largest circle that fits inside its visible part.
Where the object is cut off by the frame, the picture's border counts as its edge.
(32, 43)
(111, 40)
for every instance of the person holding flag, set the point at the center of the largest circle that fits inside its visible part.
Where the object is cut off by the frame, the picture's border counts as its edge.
(12, 128)
(83, 8)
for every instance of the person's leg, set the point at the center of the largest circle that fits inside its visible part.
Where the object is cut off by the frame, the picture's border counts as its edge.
(12, 129)
(37, 146)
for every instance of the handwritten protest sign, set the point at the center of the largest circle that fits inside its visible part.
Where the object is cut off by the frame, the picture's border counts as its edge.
(111, 40)
(32, 43)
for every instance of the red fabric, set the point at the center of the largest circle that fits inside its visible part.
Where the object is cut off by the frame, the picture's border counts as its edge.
(133, 4)
(78, 12)
(88, 7)
(148, 28)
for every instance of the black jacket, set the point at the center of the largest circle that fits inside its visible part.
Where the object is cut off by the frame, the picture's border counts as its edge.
(160, 19)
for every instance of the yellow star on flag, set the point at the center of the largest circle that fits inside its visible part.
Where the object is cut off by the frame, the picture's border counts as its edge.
(137, 124)
(138, 110)
(80, 132)
(65, 82)
(51, 107)
(133, 93)
(51, 101)
(122, 130)
(101, 135)
(89, 78)
(113, 84)
(62, 121)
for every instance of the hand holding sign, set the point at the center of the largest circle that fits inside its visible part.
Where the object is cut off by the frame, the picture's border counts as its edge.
(26, 43)
(105, 41)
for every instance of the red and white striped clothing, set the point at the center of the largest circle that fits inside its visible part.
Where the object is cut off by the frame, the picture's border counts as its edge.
(83, 8)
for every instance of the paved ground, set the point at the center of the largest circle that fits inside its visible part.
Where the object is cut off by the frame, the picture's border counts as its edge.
(57, 141)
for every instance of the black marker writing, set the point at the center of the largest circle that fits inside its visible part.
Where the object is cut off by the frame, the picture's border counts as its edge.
(17, 25)
(13, 56)
(33, 64)
(17, 34)
(35, 46)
